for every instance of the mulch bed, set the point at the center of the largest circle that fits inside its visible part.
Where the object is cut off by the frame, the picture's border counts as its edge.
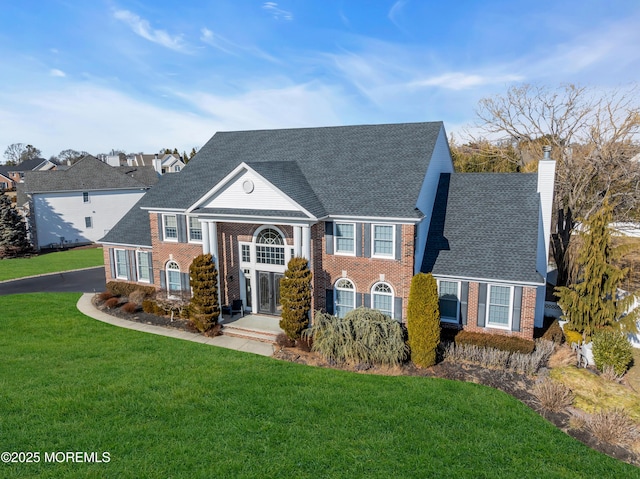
(514, 384)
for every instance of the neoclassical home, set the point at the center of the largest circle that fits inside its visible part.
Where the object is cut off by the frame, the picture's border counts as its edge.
(368, 206)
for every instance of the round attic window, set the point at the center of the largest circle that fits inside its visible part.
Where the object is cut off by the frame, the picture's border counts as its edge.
(247, 186)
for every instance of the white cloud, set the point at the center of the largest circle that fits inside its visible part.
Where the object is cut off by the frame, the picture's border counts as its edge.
(463, 81)
(396, 11)
(143, 28)
(227, 46)
(54, 72)
(276, 12)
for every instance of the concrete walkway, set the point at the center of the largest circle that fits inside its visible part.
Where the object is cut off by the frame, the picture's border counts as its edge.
(85, 306)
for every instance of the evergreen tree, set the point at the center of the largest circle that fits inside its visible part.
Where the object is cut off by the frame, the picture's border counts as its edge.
(295, 296)
(204, 308)
(423, 320)
(193, 153)
(13, 231)
(592, 301)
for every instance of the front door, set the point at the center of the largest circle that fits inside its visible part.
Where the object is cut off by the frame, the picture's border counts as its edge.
(269, 292)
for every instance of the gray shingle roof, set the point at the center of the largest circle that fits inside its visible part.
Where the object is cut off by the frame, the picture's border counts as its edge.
(86, 175)
(484, 226)
(366, 170)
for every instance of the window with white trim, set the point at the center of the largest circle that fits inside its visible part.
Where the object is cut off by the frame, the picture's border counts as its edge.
(449, 299)
(382, 240)
(144, 266)
(382, 298)
(499, 306)
(269, 247)
(121, 264)
(344, 238)
(85, 197)
(174, 285)
(88, 222)
(345, 297)
(195, 229)
(170, 226)
(245, 251)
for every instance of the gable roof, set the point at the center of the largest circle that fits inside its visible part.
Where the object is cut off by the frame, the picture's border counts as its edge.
(485, 226)
(88, 174)
(365, 170)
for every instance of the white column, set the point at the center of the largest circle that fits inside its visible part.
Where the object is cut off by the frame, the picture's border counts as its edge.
(306, 242)
(297, 240)
(206, 247)
(213, 245)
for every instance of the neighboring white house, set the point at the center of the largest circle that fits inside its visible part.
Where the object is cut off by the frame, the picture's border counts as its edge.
(81, 204)
(162, 163)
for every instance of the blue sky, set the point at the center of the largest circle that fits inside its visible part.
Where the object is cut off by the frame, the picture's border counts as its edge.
(141, 75)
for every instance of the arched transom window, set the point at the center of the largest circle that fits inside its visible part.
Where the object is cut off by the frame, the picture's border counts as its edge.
(269, 247)
(382, 298)
(345, 294)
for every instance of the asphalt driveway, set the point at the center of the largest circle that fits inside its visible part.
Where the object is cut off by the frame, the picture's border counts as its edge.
(84, 281)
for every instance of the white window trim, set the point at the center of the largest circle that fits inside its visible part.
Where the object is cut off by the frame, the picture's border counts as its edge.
(87, 196)
(179, 271)
(335, 294)
(140, 279)
(198, 241)
(251, 255)
(164, 228)
(488, 324)
(90, 225)
(373, 292)
(115, 263)
(448, 319)
(393, 240)
(335, 239)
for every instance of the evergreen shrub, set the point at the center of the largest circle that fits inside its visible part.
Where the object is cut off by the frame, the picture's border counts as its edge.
(423, 320)
(112, 303)
(295, 297)
(120, 288)
(554, 333)
(130, 307)
(204, 309)
(512, 344)
(612, 348)
(571, 336)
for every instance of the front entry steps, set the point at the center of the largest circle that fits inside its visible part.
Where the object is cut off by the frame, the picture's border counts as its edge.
(252, 326)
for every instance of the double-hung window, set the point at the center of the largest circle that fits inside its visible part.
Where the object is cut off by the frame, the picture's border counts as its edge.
(345, 238)
(88, 222)
(85, 197)
(499, 306)
(448, 300)
(144, 267)
(382, 298)
(195, 229)
(383, 240)
(345, 297)
(121, 264)
(174, 285)
(170, 227)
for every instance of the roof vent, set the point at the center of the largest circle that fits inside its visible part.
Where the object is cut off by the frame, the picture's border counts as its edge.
(547, 152)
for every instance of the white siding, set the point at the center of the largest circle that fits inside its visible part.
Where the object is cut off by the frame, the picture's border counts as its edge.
(263, 197)
(546, 181)
(441, 162)
(62, 215)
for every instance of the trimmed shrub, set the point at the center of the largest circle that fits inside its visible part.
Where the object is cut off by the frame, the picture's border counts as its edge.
(611, 348)
(105, 295)
(130, 307)
(512, 344)
(614, 427)
(554, 333)
(137, 296)
(571, 336)
(553, 396)
(423, 320)
(112, 303)
(119, 288)
(151, 307)
(363, 336)
(204, 309)
(295, 297)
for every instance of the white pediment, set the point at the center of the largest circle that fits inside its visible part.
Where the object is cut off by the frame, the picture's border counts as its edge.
(247, 190)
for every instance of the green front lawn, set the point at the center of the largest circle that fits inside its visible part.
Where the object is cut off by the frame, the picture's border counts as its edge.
(50, 263)
(168, 408)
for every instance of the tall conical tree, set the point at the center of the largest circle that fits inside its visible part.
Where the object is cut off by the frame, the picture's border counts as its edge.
(592, 301)
(295, 297)
(204, 308)
(423, 320)
(13, 231)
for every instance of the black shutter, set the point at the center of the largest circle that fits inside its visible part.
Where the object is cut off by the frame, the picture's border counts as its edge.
(150, 259)
(181, 221)
(112, 262)
(132, 274)
(160, 229)
(367, 301)
(464, 302)
(184, 282)
(517, 308)
(397, 308)
(358, 236)
(359, 298)
(163, 279)
(367, 240)
(329, 301)
(398, 241)
(328, 237)
(482, 304)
